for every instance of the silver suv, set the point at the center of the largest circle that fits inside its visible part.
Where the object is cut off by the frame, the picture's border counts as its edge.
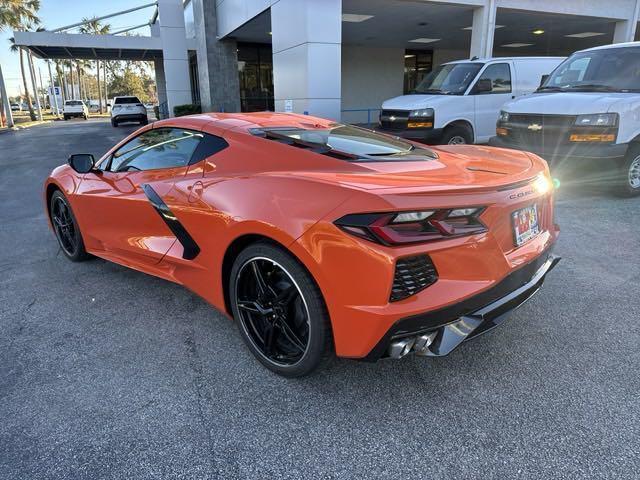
(128, 109)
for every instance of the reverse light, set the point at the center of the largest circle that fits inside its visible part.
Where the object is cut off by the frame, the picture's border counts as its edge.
(398, 228)
(542, 185)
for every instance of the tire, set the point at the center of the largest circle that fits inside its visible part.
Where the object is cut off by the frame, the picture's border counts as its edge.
(71, 245)
(457, 135)
(85, 117)
(66, 117)
(114, 123)
(628, 184)
(144, 121)
(284, 306)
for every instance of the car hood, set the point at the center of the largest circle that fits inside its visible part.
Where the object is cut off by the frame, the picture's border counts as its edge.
(412, 102)
(563, 103)
(454, 168)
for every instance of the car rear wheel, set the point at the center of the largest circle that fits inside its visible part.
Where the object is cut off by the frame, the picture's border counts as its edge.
(457, 135)
(279, 310)
(114, 123)
(66, 228)
(629, 177)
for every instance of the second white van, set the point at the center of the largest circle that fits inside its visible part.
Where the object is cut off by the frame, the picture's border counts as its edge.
(459, 102)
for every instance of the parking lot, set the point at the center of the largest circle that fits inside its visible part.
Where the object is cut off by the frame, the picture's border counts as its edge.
(109, 373)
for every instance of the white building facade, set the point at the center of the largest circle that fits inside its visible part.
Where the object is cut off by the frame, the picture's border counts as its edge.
(335, 58)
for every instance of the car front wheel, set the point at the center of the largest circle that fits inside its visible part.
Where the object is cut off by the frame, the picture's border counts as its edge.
(279, 310)
(66, 228)
(457, 135)
(629, 177)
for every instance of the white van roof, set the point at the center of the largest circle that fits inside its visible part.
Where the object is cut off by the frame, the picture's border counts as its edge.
(613, 45)
(502, 59)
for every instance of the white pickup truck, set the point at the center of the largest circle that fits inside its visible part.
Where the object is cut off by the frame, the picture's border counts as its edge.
(75, 108)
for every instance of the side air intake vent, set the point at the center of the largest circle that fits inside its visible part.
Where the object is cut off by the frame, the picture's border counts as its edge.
(413, 274)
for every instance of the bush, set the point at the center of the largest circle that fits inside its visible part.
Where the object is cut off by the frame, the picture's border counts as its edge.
(188, 109)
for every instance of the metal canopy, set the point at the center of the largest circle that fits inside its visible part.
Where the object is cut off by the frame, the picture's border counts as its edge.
(52, 45)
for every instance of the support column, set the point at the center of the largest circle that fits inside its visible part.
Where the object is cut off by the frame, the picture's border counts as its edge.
(161, 86)
(5, 101)
(307, 41)
(217, 62)
(483, 30)
(625, 30)
(174, 53)
(36, 96)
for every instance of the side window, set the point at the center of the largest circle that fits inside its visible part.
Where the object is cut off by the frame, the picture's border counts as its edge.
(500, 76)
(157, 148)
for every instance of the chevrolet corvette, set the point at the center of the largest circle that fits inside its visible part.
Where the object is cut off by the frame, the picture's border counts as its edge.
(317, 238)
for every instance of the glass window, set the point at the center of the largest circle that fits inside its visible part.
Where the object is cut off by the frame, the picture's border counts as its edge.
(500, 76)
(449, 79)
(255, 73)
(120, 100)
(154, 149)
(417, 64)
(607, 69)
(347, 139)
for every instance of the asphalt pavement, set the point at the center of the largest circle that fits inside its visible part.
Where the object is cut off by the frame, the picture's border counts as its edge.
(107, 373)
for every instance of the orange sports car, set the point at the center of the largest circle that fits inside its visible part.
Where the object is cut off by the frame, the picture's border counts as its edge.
(316, 237)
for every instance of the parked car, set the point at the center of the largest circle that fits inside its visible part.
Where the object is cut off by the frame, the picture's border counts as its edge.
(128, 109)
(317, 237)
(16, 107)
(75, 108)
(586, 114)
(459, 102)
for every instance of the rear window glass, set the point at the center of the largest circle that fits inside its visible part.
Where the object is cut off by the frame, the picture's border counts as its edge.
(347, 141)
(73, 102)
(127, 100)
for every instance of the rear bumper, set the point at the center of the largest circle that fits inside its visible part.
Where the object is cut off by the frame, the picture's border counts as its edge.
(424, 135)
(578, 152)
(129, 117)
(450, 326)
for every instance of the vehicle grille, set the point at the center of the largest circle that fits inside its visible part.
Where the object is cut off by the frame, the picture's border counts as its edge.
(553, 131)
(412, 275)
(394, 119)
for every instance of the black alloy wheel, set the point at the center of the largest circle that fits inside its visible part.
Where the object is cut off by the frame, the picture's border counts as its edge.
(279, 310)
(66, 228)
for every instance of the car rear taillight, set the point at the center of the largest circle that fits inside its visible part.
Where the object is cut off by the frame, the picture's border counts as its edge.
(398, 228)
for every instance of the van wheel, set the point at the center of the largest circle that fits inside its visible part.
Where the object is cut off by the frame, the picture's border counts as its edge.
(457, 135)
(629, 175)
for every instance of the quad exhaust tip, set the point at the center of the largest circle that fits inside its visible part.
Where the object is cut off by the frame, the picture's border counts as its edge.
(419, 345)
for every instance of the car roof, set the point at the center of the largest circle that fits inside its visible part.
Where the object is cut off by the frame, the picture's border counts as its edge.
(613, 45)
(503, 59)
(247, 121)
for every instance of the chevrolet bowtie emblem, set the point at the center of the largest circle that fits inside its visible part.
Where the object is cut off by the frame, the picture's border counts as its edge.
(392, 118)
(534, 127)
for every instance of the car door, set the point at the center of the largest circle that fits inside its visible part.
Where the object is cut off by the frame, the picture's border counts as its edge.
(488, 104)
(123, 200)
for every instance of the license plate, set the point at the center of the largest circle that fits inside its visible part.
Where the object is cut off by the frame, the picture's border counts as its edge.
(525, 224)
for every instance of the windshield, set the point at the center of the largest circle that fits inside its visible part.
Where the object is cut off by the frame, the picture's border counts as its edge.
(73, 102)
(450, 79)
(346, 140)
(608, 70)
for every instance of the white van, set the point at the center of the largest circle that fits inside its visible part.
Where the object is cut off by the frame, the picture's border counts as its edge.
(459, 102)
(587, 111)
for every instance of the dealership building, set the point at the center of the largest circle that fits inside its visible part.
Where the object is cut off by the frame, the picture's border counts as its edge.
(334, 58)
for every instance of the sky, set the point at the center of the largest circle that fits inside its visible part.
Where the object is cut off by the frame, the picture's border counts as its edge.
(58, 13)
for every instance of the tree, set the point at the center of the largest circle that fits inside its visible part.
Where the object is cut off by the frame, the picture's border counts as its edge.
(95, 27)
(16, 49)
(19, 15)
(16, 14)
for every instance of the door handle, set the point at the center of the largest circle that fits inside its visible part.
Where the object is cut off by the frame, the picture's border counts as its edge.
(195, 191)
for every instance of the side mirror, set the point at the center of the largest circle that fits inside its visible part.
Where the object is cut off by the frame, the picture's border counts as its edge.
(483, 86)
(543, 79)
(82, 162)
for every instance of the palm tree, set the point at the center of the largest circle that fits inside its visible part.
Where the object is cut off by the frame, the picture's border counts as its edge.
(20, 15)
(16, 14)
(16, 49)
(95, 27)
